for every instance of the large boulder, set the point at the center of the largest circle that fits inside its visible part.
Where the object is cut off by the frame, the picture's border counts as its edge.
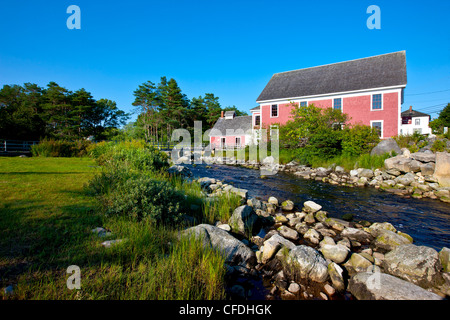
(308, 263)
(337, 253)
(382, 286)
(178, 170)
(357, 235)
(444, 257)
(387, 240)
(273, 244)
(442, 170)
(402, 164)
(234, 251)
(406, 179)
(423, 156)
(386, 146)
(243, 220)
(311, 206)
(336, 274)
(417, 264)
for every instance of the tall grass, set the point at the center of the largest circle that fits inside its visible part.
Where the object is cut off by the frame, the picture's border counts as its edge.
(60, 148)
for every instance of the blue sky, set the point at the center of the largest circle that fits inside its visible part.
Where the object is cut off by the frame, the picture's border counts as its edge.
(229, 48)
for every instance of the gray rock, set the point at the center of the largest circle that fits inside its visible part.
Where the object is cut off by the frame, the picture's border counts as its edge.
(313, 236)
(288, 233)
(444, 258)
(427, 169)
(243, 219)
(357, 235)
(423, 156)
(358, 263)
(256, 204)
(273, 201)
(240, 192)
(366, 173)
(110, 243)
(235, 251)
(402, 164)
(406, 179)
(337, 253)
(381, 286)
(336, 276)
(308, 263)
(311, 206)
(442, 170)
(287, 205)
(386, 146)
(180, 170)
(417, 264)
(388, 240)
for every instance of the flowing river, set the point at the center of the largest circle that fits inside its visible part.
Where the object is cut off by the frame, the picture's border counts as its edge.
(426, 220)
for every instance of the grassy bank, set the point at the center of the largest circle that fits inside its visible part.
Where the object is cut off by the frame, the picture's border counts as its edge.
(46, 218)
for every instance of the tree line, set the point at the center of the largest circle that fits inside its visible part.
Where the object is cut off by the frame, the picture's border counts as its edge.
(30, 112)
(163, 107)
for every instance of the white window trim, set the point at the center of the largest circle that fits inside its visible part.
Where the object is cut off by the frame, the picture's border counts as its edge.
(223, 144)
(278, 110)
(382, 126)
(300, 102)
(371, 102)
(236, 140)
(254, 118)
(342, 103)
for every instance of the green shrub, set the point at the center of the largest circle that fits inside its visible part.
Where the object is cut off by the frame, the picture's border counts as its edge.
(133, 155)
(359, 139)
(60, 148)
(141, 196)
(438, 146)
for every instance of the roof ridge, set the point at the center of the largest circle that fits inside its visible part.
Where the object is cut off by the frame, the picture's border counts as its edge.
(329, 64)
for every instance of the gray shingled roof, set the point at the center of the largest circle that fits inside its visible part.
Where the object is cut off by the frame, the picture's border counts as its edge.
(222, 124)
(374, 72)
(414, 114)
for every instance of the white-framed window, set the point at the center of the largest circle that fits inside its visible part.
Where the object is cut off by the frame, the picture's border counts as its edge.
(337, 103)
(274, 111)
(257, 120)
(417, 122)
(377, 102)
(378, 125)
(222, 142)
(238, 141)
(303, 104)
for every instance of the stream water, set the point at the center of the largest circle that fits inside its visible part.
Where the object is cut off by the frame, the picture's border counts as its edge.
(426, 220)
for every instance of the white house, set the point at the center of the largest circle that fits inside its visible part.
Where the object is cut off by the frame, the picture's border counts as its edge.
(414, 121)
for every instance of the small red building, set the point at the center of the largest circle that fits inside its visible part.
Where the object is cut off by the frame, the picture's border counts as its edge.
(369, 90)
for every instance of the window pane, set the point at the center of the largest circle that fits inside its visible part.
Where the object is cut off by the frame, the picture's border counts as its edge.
(417, 122)
(257, 120)
(303, 104)
(378, 126)
(376, 101)
(337, 103)
(274, 110)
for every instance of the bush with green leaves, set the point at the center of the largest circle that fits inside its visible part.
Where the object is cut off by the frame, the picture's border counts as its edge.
(135, 155)
(145, 197)
(438, 146)
(60, 148)
(359, 139)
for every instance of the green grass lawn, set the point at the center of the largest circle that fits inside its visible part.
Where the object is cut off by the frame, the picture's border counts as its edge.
(46, 218)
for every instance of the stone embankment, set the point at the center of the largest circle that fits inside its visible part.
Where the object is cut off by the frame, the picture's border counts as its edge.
(302, 253)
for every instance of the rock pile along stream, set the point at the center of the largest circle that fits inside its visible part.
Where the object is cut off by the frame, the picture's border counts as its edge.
(274, 250)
